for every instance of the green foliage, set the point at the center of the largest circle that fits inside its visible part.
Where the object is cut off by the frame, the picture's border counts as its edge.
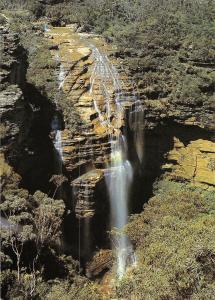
(47, 218)
(2, 20)
(80, 289)
(35, 7)
(41, 70)
(29, 220)
(175, 251)
(32, 235)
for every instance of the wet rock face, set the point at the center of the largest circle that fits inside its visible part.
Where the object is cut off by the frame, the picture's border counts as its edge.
(88, 146)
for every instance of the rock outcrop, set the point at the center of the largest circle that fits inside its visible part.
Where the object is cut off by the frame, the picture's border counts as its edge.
(84, 193)
(24, 113)
(12, 104)
(101, 262)
(194, 162)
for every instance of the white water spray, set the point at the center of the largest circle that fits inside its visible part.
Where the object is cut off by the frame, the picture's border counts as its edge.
(105, 81)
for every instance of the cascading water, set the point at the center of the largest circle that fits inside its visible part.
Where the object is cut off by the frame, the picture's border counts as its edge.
(61, 76)
(56, 126)
(105, 81)
(58, 143)
(119, 182)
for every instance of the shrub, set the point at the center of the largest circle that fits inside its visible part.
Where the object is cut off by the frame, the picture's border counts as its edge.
(174, 248)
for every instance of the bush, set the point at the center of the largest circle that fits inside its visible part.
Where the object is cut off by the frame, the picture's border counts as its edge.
(175, 251)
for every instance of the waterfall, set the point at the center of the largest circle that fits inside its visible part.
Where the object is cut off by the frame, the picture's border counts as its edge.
(105, 81)
(61, 76)
(46, 28)
(58, 144)
(56, 123)
(119, 183)
(136, 124)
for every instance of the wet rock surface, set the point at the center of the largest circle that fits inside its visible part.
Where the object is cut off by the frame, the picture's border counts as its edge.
(86, 151)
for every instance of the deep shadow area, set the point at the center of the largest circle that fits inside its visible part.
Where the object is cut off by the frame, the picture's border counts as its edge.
(157, 143)
(36, 153)
(34, 156)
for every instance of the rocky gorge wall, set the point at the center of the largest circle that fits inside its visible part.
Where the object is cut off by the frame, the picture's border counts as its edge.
(26, 114)
(86, 150)
(178, 143)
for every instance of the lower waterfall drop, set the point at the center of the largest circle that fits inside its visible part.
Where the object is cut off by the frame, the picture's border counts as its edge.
(119, 176)
(119, 184)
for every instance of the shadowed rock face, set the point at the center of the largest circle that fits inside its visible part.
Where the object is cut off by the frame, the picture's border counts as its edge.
(13, 109)
(24, 113)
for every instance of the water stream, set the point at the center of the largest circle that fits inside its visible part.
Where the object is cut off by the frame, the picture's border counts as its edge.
(56, 124)
(105, 81)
